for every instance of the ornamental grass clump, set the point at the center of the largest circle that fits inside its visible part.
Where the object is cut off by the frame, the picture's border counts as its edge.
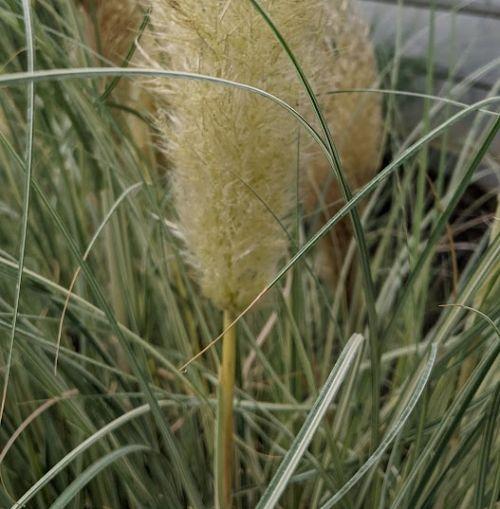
(234, 153)
(119, 425)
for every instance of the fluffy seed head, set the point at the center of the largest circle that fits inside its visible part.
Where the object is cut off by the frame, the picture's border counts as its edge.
(112, 30)
(116, 26)
(355, 120)
(234, 153)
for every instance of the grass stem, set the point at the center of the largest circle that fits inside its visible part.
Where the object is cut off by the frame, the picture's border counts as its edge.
(224, 458)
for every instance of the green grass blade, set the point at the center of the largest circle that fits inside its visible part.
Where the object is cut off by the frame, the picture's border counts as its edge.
(88, 474)
(28, 164)
(95, 72)
(391, 435)
(282, 476)
(130, 54)
(425, 464)
(90, 245)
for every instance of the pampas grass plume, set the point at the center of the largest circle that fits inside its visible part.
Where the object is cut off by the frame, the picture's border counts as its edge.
(212, 133)
(111, 28)
(116, 25)
(348, 62)
(234, 154)
(228, 146)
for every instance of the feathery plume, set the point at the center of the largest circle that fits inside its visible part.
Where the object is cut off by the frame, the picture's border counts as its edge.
(116, 26)
(227, 146)
(111, 28)
(332, 44)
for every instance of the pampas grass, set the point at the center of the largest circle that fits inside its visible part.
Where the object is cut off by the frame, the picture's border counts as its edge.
(121, 424)
(332, 44)
(233, 154)
(233, 163)
(348, 62)
(111, 26)
(227, 146)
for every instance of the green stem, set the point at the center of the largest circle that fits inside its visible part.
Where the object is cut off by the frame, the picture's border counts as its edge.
(224, 455)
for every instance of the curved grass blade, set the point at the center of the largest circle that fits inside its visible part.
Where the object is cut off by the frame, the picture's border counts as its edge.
(88, 474)
(37, 412)
(391, 435)
(479, 313)
(303, 439)
(95, 72)
(78, 450)
(90, 245)
(405, 93)
(433, 450)
(129, 55)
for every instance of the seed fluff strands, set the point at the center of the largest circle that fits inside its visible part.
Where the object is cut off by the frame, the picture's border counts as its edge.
(228, 146)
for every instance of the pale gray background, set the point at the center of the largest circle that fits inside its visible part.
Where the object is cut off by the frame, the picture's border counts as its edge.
(467, 37)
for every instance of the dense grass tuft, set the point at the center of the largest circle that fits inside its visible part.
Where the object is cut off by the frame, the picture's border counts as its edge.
(118, 424)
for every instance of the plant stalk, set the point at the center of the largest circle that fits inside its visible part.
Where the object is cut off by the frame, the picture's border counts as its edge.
(224, 455)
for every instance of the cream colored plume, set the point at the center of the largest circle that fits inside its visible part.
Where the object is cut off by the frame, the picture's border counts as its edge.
(234, 153)
(111, 33)
(355, 120)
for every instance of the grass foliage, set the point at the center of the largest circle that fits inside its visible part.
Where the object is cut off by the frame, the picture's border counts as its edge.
(377, 393)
